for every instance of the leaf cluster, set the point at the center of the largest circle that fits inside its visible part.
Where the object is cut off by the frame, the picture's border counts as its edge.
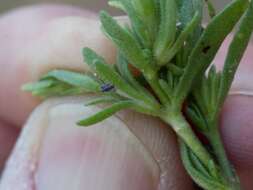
(171, 52)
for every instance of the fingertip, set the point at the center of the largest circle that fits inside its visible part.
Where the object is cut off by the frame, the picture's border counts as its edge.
(237, 132)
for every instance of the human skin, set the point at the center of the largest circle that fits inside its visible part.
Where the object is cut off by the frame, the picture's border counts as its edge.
(37, 39)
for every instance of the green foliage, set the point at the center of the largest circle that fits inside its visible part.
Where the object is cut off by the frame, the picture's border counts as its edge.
(204, 100)
(62, 83)
(167, 29)
(105, 113)
(236, 52)
(209, 177)
(208, 45)
(108, 74)
(211, 9)
(125, 42)
(168, 48)
(170, 52)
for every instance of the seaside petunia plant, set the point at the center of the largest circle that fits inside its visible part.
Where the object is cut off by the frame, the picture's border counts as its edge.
(171, 52)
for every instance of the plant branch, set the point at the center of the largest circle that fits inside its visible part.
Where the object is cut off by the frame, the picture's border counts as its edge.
(184, 131)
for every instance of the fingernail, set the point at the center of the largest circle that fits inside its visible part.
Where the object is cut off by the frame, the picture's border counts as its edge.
(105, 156)
(242, 84)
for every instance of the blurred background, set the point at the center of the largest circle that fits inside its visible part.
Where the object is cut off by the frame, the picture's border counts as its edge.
(94, 5)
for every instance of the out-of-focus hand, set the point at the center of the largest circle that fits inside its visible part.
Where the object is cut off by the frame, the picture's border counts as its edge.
(127, 151)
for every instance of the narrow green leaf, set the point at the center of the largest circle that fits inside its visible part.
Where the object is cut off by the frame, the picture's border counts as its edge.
(106, 72)
(166, 87)
(147, 11)
(74, 79)
(175, 70)
(214, 81)
(117, 4)
(206, 182)
(170, 79)
(187, 9)
(104, 114)
(188, 12)
(58, 89)
(101, 100)
(196, 163)
(211, 9)
(196, 117)
(123, 68)
(37, 85)
(127, 44)
(236, 52)
(137, 23)
(171, 51)
(167, 28)
(51, 87)
(208, 45)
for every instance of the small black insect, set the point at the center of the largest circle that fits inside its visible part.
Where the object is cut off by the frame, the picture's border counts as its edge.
(107, 87)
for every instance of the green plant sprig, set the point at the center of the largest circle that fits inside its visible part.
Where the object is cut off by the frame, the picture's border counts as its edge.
(167, 43)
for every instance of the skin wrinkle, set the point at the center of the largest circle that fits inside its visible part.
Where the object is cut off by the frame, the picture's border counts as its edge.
(238, 130)
(237, 135)
(90, 139)
(157, 136)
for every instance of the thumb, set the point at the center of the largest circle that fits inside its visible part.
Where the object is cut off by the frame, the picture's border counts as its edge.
(53, 153)
(105, 156)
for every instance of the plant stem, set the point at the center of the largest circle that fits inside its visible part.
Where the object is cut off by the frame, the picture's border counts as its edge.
(184, 131)
(227, 168)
